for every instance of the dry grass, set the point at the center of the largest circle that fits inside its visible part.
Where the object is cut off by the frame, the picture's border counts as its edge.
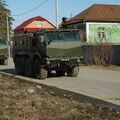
(23, 101)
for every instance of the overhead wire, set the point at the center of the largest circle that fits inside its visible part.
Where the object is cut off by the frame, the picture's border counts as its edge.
(29, 11)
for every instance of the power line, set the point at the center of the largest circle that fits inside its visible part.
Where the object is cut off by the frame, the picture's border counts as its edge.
(29, 11)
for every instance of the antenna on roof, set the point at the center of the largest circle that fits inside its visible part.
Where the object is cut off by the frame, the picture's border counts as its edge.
(71, 15)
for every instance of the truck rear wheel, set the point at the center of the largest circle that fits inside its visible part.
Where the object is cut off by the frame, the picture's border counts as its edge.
(19, 66)
(5, 61)
(28, 68)
(39, 72)
(73, 72)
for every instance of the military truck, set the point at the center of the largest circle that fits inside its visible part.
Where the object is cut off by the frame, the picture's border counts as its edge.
(3, 52)
(38, 54)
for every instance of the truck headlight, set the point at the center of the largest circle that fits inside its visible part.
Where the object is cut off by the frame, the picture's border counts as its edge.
(65, 60)
(48, 62)
(78, 60)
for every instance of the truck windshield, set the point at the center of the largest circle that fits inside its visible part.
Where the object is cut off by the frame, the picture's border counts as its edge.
(2, 42)
(63, 36)
(71, 36)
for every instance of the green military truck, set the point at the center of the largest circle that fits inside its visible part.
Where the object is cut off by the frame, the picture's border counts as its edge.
(3, 52)
(37, 54)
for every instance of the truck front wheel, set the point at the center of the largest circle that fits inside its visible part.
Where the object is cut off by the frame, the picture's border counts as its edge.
(73, 72)
(39, 72)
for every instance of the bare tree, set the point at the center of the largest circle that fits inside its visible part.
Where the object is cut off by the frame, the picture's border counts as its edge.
(99, 53)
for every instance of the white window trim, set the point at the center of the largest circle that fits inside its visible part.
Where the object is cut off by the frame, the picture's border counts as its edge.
(99, 23)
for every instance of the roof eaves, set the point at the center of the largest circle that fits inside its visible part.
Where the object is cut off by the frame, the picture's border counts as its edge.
(74, 21)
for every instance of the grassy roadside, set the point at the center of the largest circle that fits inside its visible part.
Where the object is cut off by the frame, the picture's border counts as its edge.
(24, 101)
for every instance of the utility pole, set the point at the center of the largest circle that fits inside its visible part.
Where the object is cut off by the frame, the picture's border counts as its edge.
(57, 14)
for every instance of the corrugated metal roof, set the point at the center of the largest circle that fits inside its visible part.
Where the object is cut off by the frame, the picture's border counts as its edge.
(98, 12)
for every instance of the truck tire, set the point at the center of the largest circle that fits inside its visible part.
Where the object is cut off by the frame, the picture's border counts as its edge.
(18, 67)
(5, 61)
(22, 65)
(73, 72)
(39, 72)
(28, 68)
(60, 72)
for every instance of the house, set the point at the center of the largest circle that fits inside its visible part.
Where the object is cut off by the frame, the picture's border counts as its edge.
(100, 22)
(33, 24)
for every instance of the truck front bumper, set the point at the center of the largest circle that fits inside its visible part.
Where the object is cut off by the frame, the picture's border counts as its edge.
(61, 63)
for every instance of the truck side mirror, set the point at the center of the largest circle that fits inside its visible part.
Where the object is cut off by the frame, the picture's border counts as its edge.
(49, 42)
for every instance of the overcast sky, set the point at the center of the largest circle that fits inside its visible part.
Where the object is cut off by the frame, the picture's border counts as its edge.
(67, 8)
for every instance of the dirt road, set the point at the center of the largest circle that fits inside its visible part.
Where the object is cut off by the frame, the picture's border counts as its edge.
(95, 82)
(99, 83)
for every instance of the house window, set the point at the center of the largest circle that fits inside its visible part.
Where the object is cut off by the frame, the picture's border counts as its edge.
(78, 27)
(102, 33)
(39, 24)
